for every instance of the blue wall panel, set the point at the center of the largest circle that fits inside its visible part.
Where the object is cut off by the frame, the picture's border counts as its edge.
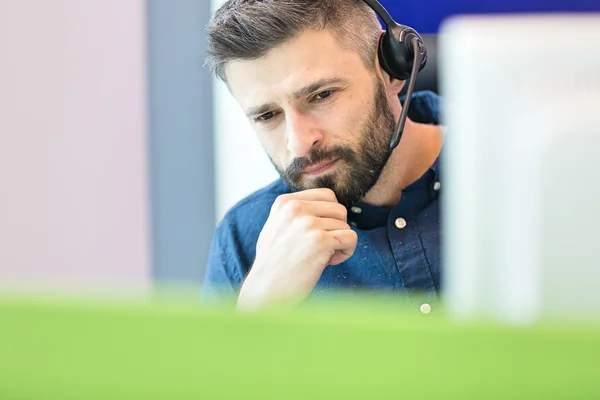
(427, 15)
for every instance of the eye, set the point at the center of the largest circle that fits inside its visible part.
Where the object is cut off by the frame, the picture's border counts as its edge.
(323, 95)
(265, 117)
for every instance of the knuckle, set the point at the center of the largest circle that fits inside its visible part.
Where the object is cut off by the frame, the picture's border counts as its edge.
(343, 212)
(352, 240)
(306, 223)
(280, 201)
(294, 207)
(318, 236)
(330, 194)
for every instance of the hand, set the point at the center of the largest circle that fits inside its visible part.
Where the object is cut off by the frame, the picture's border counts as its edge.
(305, 232)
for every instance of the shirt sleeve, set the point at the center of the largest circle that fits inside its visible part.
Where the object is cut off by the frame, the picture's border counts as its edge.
(222, 279)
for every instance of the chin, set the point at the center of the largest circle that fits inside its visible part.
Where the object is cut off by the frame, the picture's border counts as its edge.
(330, 181)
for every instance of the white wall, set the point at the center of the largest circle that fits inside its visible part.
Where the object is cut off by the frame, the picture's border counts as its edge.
(73, 184)
(241, 165)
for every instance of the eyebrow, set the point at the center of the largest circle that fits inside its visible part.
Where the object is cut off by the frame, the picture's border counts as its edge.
(298, 94)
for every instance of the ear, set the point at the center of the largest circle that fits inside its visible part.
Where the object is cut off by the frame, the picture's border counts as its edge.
(393, 86)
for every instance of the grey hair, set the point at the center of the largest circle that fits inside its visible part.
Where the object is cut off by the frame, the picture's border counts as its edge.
(249, 29)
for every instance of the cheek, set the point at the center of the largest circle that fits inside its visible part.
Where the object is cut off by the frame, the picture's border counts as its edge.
(344, 123)
(346, 128)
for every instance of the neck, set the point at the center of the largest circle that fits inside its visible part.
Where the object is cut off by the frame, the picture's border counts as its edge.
(419, 147)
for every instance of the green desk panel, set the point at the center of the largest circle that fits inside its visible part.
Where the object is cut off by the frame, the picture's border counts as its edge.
(87, 350)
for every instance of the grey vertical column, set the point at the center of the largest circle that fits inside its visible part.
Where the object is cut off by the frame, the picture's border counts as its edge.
(181, 140)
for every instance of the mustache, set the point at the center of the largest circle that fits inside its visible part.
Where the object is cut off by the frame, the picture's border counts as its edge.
(317, 156)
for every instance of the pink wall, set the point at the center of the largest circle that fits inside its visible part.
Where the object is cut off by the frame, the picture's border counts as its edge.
(73, 143)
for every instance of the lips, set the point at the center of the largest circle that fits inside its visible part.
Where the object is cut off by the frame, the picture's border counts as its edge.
(319, 167)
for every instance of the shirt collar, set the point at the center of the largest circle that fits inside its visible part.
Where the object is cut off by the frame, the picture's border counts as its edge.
(414, 199)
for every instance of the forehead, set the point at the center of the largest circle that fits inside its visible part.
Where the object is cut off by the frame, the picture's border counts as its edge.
(309, 57)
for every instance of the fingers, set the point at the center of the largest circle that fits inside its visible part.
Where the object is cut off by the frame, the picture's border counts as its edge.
(317, 211)
(320, 209)
(318, 203)
(322, 224)
(344, 240)
(344, 244)
(320, 194)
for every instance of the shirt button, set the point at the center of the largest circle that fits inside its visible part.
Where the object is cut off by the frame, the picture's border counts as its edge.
(356, 210)
(400, 223)
(437, 186)
(425, 308)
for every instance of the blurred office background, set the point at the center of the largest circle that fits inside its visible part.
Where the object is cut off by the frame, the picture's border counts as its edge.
(119, 153)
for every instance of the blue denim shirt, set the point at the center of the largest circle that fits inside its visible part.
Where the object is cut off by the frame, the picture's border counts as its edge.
(398, 249)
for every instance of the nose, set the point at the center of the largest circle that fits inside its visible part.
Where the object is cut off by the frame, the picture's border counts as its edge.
(302, 135)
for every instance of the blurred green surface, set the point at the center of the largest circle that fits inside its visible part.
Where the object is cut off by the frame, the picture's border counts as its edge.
(91, 350)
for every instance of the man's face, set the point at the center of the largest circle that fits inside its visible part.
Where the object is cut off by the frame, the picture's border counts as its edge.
(323, 118)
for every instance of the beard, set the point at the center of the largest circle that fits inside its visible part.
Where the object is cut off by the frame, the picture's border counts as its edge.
(362, 169)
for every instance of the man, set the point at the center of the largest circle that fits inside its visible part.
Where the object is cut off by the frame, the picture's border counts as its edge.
(347, 214)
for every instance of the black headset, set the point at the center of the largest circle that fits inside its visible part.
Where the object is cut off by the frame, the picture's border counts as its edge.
(402, 54)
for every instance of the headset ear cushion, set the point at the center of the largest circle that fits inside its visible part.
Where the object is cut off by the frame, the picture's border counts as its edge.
(392, 58)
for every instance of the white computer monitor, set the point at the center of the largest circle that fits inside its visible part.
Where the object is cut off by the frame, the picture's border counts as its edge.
(521, 224)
